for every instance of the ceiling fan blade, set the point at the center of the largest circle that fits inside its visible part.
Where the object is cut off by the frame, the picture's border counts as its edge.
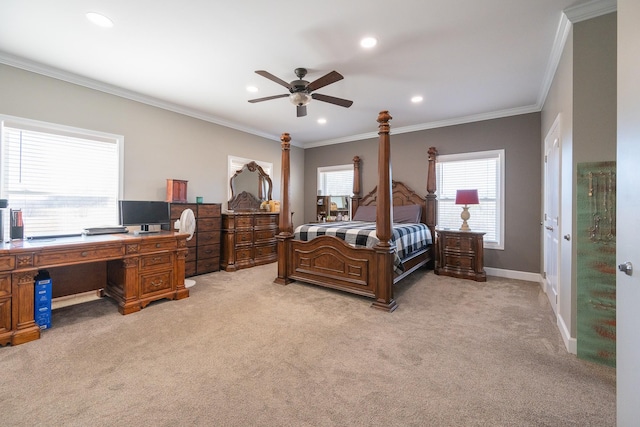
(332, 100)
(301, 110)
(266, 98)
(327, 79)
(273, 78)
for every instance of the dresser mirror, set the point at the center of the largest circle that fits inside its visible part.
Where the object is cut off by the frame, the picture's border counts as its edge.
(250, 186)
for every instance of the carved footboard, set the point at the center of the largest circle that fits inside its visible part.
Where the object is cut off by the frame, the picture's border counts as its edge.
(330, 262)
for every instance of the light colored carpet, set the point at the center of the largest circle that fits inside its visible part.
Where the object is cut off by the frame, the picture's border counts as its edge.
(242, 351)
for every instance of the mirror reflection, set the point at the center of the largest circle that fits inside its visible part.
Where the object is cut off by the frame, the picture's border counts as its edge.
(249, 187)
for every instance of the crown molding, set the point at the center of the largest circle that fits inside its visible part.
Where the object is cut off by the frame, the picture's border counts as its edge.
(76, 79)
(432, 125)
(589, 10)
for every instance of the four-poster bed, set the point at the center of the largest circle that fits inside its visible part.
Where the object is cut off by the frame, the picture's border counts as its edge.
(369, 271)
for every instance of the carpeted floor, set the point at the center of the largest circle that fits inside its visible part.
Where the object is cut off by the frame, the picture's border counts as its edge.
(242, 351)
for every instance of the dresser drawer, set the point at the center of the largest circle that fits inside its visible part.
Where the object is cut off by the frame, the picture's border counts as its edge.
(244, 221)
(265, 235)
(177, 208)
(266, 251)
(156, 282)
(208, 265)
(243, 237)
(208, 224)
(156, 261)
(265, 220)
(189, 268)
(208, 251)
(208, 210)
(69, 256)
(7, 262)
(244, 254)
(156, 246)
(5, 285)
(208, 238)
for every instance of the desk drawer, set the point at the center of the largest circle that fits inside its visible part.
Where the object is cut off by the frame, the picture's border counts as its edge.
(5, 316)
(157, 260)
(78, 255)
(156, 246)
(157, 282)
(5, 285)
(7, 262)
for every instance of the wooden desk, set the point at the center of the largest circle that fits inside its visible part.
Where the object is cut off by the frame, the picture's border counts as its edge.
(139, 270)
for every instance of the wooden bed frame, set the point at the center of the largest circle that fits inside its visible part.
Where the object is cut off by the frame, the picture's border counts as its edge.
(330, 262)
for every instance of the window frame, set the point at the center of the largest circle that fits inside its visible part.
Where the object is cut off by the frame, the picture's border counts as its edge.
(500, 155)
(27, 124)
(325, 169)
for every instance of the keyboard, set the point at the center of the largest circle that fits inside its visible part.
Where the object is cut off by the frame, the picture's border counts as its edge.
(93, 231)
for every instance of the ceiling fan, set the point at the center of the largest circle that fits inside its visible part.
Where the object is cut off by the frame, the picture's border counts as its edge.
(300, 90)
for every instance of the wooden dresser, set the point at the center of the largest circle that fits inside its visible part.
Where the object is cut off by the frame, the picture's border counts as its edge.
(461, 254)
(204, 247)
(248, 239)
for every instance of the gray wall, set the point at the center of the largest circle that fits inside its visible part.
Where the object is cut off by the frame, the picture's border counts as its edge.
(158, 144)
(518, 135)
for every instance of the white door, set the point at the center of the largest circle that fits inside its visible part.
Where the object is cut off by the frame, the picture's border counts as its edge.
(628, 207)
(551, 220)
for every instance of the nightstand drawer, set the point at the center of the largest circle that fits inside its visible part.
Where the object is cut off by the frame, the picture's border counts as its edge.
(458, 243)
(457, 261)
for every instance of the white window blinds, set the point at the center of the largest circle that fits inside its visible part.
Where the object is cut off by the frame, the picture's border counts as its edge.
(482, 171)
(62, 181)
(335, 180)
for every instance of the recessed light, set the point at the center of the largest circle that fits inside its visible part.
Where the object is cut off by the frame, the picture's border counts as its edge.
(99, 20)
(322, 121)
(368, 42)
(416, 99)
(252, 89)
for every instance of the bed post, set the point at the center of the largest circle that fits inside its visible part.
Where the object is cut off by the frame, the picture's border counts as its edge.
(285, 227)
(384, 217)
(355, 198)
(432, 202)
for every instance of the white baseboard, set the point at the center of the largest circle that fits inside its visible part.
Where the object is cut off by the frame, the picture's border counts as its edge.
(512, 274)
(570, 343)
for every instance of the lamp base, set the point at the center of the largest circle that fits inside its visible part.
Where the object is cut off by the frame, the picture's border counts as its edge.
(465, 215)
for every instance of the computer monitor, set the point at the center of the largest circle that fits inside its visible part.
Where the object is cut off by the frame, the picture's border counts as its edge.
(144, 213)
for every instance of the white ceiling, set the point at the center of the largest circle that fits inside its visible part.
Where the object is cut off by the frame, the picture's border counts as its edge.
(469, 59)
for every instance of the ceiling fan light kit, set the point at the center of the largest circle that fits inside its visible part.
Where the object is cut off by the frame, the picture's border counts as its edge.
(300, 90)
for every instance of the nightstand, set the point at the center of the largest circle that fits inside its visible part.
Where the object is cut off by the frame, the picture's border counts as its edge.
(461, 254)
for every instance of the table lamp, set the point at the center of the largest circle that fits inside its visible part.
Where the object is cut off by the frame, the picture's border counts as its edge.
(466, 197)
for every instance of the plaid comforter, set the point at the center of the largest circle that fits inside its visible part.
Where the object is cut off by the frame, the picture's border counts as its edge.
(407, 238)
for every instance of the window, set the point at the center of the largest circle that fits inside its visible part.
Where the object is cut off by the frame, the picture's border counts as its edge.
(335, 180)
(63, 179)
(483, 171)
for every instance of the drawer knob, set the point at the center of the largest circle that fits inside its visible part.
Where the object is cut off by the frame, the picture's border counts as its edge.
(158, 245)
(84, 254)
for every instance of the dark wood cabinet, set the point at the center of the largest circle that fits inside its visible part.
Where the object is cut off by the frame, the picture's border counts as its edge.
(248, 239)
(461, 254)
(204, 247)
(330, 207)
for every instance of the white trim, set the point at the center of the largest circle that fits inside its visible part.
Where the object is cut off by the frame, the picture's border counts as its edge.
(512, 274)
(570, 343)
(593, 9)
(42, 126)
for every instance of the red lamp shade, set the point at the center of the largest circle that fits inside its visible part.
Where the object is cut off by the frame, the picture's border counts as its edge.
(467, 197)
